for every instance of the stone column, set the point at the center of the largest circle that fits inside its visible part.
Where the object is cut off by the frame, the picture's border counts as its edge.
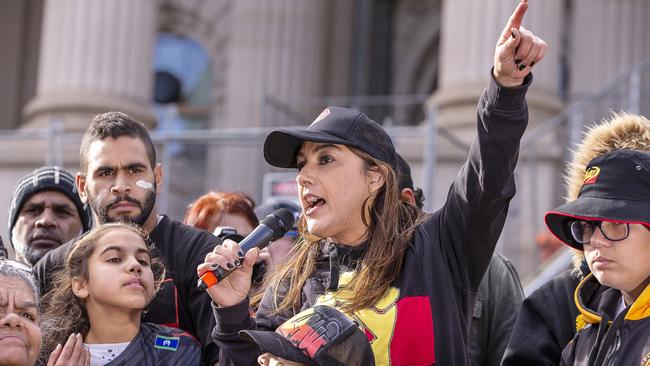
(470, 30)
(276, 50)
(20, 29)
(277, 56)
(96, 56)
(599, 53)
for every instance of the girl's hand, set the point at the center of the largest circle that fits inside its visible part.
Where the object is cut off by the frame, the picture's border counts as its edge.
(517, 50)
(268, 359)
(71, 354)
(234, 288)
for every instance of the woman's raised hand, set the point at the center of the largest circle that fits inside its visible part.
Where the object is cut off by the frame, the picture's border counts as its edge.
(517, 50)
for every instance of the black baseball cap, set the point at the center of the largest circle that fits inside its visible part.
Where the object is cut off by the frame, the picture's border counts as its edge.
(336, 125)
(616, 188)
(320, 335)
(404, 173)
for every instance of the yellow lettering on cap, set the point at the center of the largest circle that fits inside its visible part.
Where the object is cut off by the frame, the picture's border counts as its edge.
(591, 174)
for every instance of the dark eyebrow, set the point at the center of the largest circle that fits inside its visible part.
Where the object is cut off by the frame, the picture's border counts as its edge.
(104, 167)
(135, 165)
(131, 165)
(320, 147)
(326, 146)
(110, 248)
(63, 207)
(119, 249)
(34, 205)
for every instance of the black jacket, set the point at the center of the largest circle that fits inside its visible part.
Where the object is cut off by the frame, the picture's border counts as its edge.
(605, 338)
(424, 317)
(545, 324)
(157, 345)
(179, 303)
(495, 311)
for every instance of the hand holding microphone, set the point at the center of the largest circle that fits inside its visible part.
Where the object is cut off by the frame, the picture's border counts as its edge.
(225, 259)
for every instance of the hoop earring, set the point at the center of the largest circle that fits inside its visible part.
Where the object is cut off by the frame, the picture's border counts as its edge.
(367, 209)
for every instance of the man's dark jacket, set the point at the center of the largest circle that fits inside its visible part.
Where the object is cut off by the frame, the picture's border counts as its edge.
(495, 311)
(545, 325)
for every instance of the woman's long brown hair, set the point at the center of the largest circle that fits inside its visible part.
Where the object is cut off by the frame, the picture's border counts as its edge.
(65, 313)
(391, 224)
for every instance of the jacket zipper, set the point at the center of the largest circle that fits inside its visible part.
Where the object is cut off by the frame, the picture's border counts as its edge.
(609, 360)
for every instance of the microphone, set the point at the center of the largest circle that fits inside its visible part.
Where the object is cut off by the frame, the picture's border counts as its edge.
(272, 228)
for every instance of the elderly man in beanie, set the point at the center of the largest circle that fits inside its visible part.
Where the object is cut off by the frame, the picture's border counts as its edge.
(45, 212)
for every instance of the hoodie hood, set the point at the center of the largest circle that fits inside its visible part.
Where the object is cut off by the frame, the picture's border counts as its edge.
(621, 131)
(594, 301)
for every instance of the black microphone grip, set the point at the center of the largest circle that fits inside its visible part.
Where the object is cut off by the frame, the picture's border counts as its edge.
(272, 228)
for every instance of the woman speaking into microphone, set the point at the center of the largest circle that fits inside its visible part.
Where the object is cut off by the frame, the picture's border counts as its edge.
(405, 281)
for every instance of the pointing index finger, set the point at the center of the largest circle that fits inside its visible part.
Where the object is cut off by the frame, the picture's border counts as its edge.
(514, 21)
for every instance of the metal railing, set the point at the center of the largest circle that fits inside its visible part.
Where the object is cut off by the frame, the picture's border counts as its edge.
(191, 164)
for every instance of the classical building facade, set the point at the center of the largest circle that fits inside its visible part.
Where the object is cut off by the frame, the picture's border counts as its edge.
(278, 62)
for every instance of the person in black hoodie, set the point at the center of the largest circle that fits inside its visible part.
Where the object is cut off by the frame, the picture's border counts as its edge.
(120, 179)
(408, 280)
(546, 322)
(610, 222)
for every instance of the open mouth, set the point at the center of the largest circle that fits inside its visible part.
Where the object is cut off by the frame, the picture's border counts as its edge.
(312, 202)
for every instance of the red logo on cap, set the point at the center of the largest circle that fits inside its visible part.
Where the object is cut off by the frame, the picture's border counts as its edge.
(306, 338)
(591, 174)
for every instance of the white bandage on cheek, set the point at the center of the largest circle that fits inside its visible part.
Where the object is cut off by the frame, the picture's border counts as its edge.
(144, 185)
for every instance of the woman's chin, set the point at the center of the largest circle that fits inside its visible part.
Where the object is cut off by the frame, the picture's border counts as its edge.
(315, 229)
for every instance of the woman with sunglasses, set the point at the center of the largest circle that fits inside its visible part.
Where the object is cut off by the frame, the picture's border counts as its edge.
(610, 222)
(408, 280)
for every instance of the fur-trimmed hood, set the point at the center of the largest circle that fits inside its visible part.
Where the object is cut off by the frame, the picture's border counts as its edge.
(621, 131)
